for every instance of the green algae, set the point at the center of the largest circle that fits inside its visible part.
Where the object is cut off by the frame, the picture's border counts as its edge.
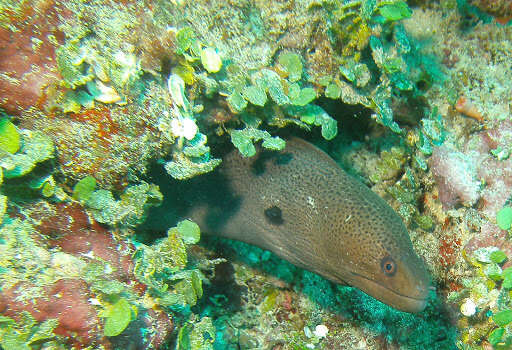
(292, 64)
(332, 91)
(432, 133)
(165, 268)
(253, 94)
(502, 318)
(315, 115)
(489, 291)
(189, 286)
(117, 318)
(498, 257)
(129, 210)
(175, 250)
(189, 231)
(243, 141)
(504, 218)
(395, 11)
(303, 96)
(496, 335)
(3, 207)
(185, 37)
(37, 147)
(211, 60)
(269, 302)
(26, 334)
(95, 75)
(237, 102)
(191, 155)
(396, 57)
(84, 188)
(9, 136)
(46, 185)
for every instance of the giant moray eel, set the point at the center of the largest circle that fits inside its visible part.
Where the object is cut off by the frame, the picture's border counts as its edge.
(299, 204)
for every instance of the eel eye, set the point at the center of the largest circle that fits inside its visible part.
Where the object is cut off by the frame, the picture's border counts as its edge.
(388, 266)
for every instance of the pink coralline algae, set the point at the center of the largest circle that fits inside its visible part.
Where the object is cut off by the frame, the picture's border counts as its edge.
(71, 230)
(490, 236)
(27, 55)
(66, 227)
(495, 166)
(456, 176)
(481, 171)
(66, 301)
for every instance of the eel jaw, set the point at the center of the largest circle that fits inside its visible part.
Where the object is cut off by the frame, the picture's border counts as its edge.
(407, 303)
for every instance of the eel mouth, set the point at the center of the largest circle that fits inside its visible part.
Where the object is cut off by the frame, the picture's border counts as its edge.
(399, 301)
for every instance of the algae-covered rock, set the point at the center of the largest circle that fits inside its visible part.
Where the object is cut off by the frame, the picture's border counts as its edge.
(26, 334)
(189, 231)
(36, 148)
(130, 210)
(196, 336)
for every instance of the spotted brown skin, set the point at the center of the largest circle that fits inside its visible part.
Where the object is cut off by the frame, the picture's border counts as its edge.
(299, 204)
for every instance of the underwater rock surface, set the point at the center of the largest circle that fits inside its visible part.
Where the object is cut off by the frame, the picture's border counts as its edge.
(101, 100)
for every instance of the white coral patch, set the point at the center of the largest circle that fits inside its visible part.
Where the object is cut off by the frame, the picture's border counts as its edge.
(468, 307)
(107, 93)
(184, 127)
(321, 331)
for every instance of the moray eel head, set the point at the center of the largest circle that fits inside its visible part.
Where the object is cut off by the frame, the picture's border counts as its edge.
(394, 281)
(381, 260)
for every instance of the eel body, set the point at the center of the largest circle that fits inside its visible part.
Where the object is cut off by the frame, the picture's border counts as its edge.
(299, 204)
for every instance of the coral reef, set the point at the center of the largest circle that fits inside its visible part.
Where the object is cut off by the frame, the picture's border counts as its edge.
(96, 69)
(500, 9)
(67, 263)
(29, 36)
(483, 170)
(486, 304)
(98, 99)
